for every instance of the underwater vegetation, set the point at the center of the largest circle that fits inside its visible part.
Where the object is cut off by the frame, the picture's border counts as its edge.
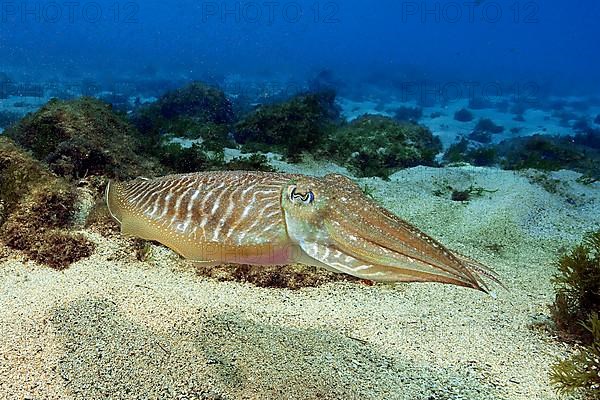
(463, 115)
(293, 127)
(180, 159)
(408, 114)
(575, 312)
(82, 137)
(37, 210)
(546, 152)
(466, 151)
(196, 111)
(374, 145)
(580, 372)
(577, 286)
(589, 137)
(484, 130)
(542, 152)
(293, 277)
(253, 162)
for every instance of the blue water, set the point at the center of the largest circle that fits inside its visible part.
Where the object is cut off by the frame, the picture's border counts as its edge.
(550, 44)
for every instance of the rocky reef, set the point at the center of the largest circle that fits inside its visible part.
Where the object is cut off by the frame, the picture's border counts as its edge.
(542, 152)
(378, 146)
(37, 210)
(196, 111)
(463, 115)
(293, 127)
(82, 137)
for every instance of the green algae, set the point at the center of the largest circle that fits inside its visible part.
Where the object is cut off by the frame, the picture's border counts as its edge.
(195, 111)
(38, 209)
(292, 128)
(82, 137)
(378, 146)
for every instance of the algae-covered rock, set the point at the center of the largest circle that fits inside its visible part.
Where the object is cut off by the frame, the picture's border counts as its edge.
(296, 126)
(253, 162)
(38, 209)
(463, 115)
(377, 146)
(484, 130)
(195, 158)
(408, 114)
(547, 152)
(466, 151)
(19, 172)
(82, 137)
(195, 111)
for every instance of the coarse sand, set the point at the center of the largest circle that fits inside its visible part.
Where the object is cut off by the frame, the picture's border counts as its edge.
(113, 327)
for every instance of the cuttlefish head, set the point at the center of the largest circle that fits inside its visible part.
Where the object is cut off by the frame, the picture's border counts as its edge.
(338, 227)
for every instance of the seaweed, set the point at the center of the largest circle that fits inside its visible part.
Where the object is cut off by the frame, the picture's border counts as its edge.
(255, 162)
(368, 190)
(464, 151)
(488, 126)
(581, 125)
(516, 130)
(19, 173)
(296, 126)
(467, 194)
(408, 114)
(38, 226)
(589, 138)
(378, 146)
(577, 286)
(481, 137)
(463, 115)
(181, 159)
(82, 137)
(564, 117)
(580, 372)
(37, 210)
(552, 153)
(195, 111)
(281, 277)
(198, 100)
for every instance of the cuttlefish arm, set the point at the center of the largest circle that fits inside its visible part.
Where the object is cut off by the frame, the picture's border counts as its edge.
(276, 219)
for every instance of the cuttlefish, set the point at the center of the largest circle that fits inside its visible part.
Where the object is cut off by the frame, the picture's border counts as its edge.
(276, 219)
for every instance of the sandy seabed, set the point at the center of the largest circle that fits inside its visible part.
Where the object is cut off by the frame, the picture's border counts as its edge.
(117, 328)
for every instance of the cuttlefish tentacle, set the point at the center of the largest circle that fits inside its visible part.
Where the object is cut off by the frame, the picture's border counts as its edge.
(275, 219)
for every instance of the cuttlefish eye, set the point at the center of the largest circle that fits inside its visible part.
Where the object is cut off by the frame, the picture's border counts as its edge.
(300, 197)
